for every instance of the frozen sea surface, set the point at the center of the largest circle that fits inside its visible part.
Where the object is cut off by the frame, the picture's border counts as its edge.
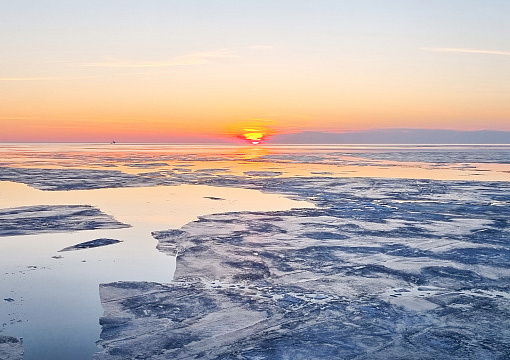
(383, 269)
(393, 262)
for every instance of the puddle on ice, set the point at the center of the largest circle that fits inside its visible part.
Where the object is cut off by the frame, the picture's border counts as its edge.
(52, 298)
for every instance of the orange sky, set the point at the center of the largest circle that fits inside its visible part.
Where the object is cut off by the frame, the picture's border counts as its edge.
(173, 72)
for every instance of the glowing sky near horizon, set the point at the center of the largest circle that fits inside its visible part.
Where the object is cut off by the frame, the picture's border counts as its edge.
(186, 70)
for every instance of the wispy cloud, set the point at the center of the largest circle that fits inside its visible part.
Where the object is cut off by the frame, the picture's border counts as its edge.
(29, 79)
(44, 78)
(197, 58)
(468, 51)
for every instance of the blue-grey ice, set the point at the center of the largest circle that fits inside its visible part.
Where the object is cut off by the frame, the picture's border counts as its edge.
(383, 269)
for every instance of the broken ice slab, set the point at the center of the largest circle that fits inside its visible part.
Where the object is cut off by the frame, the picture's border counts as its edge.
(55, 218)
(74, 179)
(91, 244)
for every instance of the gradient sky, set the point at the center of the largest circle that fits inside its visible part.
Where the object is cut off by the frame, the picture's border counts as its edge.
(162, 70)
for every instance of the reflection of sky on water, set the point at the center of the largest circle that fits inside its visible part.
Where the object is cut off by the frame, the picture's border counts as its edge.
(56, 299)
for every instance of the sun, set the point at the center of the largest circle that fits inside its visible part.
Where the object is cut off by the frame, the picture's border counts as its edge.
(253, 131)
(254, 136)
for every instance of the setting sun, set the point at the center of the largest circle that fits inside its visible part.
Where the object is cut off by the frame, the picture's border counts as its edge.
(253, 131)
(254, 136)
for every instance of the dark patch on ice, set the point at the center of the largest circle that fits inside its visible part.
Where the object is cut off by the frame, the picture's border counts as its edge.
(9, 339)
(211, 171)
(321, 173)
(263, 173)
(55, 218)
(148, 165)
(324, 235)
(91, 244)
(213, 198)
